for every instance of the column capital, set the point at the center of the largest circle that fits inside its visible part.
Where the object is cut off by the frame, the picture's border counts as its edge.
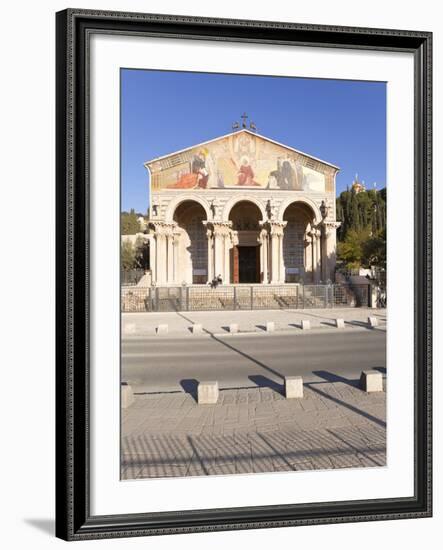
(222, 228)
(330, 227)
(165, 229)
(276, 227)
(314, 233)
(263, 235)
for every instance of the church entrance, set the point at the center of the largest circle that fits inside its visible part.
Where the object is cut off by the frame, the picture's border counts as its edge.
(245, 256)
(246, 264)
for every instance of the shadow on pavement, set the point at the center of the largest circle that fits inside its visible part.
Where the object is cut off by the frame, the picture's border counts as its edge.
(190, 386)
(265, 382)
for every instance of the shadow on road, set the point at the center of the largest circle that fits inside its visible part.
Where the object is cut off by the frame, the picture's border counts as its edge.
(331, 377)
(247, 356)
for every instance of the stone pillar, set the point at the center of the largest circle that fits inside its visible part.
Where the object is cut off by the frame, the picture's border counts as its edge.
(222, 242)
(318, 255)
(170, 252)
(175, 247)
(314, 234)
(308, 254)
(277, 266)
(227, 264)
(209, 236)
(161, 258)
(163, 234)
(314, 255)
(263, 240)
(152, 258)
(282, 259)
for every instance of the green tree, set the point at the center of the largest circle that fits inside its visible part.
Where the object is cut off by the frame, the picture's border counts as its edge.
(133, 256)
(361, 211)
(374, 251)
(129, 223)
(128, 255)
(350, 251)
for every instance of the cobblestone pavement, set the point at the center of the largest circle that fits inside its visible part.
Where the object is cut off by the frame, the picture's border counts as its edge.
(335, 425)
(216, 322)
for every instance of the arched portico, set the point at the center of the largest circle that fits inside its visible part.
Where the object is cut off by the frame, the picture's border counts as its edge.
(177, 201)
(301, 243)
(316, 214)
(190, 253)
(243, 198)
(246, 265)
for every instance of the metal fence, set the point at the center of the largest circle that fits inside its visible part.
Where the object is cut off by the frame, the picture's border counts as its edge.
(244, 297)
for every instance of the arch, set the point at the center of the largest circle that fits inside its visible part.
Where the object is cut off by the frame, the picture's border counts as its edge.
(304, 200)
(297, 263)
(176, 202)
(191, 245)
(243, 198)
(245, 211)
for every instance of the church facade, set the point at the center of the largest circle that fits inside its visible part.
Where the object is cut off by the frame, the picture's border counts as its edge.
(244, 208)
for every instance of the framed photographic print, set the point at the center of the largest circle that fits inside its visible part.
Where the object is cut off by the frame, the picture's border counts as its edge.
(243, 274)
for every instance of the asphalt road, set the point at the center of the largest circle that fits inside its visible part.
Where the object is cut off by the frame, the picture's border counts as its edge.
(171, 364)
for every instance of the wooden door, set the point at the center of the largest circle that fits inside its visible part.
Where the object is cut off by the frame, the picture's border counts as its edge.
(235, 265)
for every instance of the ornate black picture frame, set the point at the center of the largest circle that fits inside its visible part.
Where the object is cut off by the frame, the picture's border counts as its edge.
(74, 29)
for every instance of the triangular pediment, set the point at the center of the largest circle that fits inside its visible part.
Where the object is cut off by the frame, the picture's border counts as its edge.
(240, 159)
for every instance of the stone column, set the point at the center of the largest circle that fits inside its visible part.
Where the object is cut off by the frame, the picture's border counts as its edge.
(170, 252)
(308, 254)
(175, 247)
(315, 235)
(152, 258)
(329, 249)
(163, 232)
(160, 259)
(226, 263)
(221, 236)
(282, 259)
(277, 269)
(319, 259)
(263, 240)
(209, 236)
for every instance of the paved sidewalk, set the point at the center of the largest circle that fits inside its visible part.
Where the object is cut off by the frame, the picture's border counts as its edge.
(335, 425)
(249, 321)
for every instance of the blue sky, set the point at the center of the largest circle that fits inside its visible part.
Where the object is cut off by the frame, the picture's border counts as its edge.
(340, 121)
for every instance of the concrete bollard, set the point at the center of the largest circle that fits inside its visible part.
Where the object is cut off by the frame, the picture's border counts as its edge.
(207, 393)
(196, 328)
(127, 395)
(371, 381)
(129, 328)
(305, 325)
(162, 329)
(233, 328)
(340, 323)
(373, 322)
(270, 326)
(293, 387)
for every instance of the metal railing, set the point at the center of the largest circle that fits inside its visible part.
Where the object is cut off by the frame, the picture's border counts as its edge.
(243, 297)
